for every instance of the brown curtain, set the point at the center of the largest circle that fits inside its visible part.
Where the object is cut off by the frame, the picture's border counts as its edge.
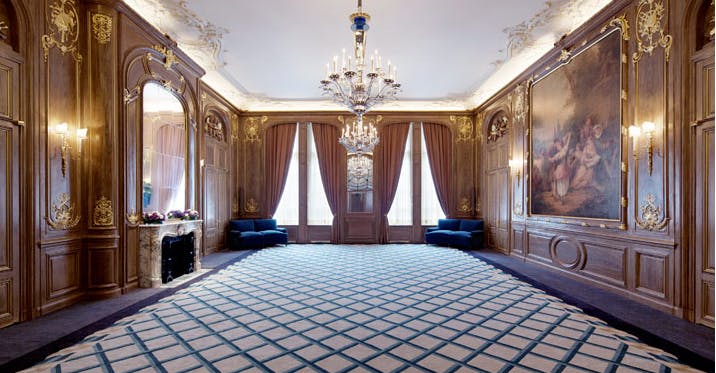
(438, 143)
(392, 149)
(331, 162)
(279, 147)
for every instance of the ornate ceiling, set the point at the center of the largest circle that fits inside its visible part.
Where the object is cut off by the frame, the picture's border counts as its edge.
(452, 54)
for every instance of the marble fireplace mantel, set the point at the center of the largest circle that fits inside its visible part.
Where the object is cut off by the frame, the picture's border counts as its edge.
(150, 248)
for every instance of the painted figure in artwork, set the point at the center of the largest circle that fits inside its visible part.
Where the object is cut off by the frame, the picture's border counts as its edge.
(560, 175)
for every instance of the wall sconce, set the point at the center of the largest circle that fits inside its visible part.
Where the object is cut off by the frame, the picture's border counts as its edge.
(648, 129)
(62, 130)
(516, 167)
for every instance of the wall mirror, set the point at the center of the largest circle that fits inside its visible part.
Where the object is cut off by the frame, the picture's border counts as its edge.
(164, 150)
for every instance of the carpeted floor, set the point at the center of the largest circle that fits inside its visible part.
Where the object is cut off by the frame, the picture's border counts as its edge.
(363, 308)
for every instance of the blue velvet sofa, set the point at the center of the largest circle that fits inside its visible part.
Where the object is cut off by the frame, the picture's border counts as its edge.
(461, 233)
(255, 234)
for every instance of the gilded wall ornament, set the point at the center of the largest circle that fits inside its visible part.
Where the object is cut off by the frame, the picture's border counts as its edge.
(133, 217)
(650, 215)
(103, 215)
(251, 207)
(565, 56)
(464, 206)
(518, 209)
(479, 125)
(252, 129)
(519, 102)
(169, 58)
(650, 25)
(464, 128)
(234, 130)
(63, 22)
(62, 214)
(4, 30)
(235, 205)
(710, 23)
(620, 22)
(498, 128)
(214, 127)
(102, 27)
(130, 95)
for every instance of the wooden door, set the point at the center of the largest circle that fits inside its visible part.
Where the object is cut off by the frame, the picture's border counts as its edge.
(703, 192)
(497, 202)
(217, 201)
(9, 193)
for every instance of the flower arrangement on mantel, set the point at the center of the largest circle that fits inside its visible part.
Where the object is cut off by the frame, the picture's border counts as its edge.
(183, 215)
(154, 217)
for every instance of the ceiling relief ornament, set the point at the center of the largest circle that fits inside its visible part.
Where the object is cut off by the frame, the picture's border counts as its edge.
(103, 214)
(252, 128)
(252, 206)
(102, 27)
(650, 26)
(650, 218)
(200, 39)
(498, 127)
(464, 128)
(214, 127)
(63, 23)
(62, 214)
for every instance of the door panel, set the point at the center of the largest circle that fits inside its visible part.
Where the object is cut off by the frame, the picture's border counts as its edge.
(9, 224)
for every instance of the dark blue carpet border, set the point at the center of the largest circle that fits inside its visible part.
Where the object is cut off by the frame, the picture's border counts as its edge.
(33, 357)
(685, 355)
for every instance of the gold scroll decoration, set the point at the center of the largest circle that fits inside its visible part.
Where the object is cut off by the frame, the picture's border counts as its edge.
(479, 123)
(102, 27)
(651, 215)
(63, 26)
(62, 214)
(234, 130)
(251, 207)
(464, 128)
(133, 217)
(650, 25)
(169, 58)
(103, 214)
(252, 129)
(464, 206)
(4, 30)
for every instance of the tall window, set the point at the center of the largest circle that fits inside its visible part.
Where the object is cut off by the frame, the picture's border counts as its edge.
(401, 211)
(287, 210)
(430, 206)
(319, 212)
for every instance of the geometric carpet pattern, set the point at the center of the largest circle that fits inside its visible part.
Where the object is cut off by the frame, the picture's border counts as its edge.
(358, 308)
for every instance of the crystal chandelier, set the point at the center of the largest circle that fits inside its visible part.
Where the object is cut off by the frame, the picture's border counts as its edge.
(358, 86)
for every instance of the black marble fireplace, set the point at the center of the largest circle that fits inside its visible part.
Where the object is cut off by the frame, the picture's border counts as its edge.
(177, 256)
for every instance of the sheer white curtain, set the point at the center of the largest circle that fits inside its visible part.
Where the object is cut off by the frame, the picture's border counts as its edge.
(287, 210)
(401, 211)
(319, 212)
(430, 210)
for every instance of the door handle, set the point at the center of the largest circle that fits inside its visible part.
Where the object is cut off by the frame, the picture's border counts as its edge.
(19, 123)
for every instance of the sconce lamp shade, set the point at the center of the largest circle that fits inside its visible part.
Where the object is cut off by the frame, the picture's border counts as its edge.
(634, 131)
(82, 133)
(61, 129)
(648, 127)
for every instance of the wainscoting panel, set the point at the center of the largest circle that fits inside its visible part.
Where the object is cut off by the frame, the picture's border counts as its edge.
(538, 247)
(653, 273)
(60, 270)
(606, 263)
(102, 276)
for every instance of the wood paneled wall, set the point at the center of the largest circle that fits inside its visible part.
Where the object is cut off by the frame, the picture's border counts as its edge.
(649, 258)
(71, 233)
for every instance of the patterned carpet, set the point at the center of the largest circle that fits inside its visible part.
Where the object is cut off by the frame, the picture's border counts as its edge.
(360, 308)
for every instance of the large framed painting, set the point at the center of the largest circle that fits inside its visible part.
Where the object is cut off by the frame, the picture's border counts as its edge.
(575, 133)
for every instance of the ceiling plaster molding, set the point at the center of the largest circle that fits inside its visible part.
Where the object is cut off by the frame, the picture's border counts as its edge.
(526, 43)
(200, 39)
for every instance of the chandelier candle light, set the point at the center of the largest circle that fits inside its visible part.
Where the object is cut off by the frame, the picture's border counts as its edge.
(358, 86)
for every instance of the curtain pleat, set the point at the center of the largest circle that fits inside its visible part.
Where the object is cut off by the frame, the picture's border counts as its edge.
(391, 148)
(279, 146)
(438, 143)
(331, 161)
(167, 165)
